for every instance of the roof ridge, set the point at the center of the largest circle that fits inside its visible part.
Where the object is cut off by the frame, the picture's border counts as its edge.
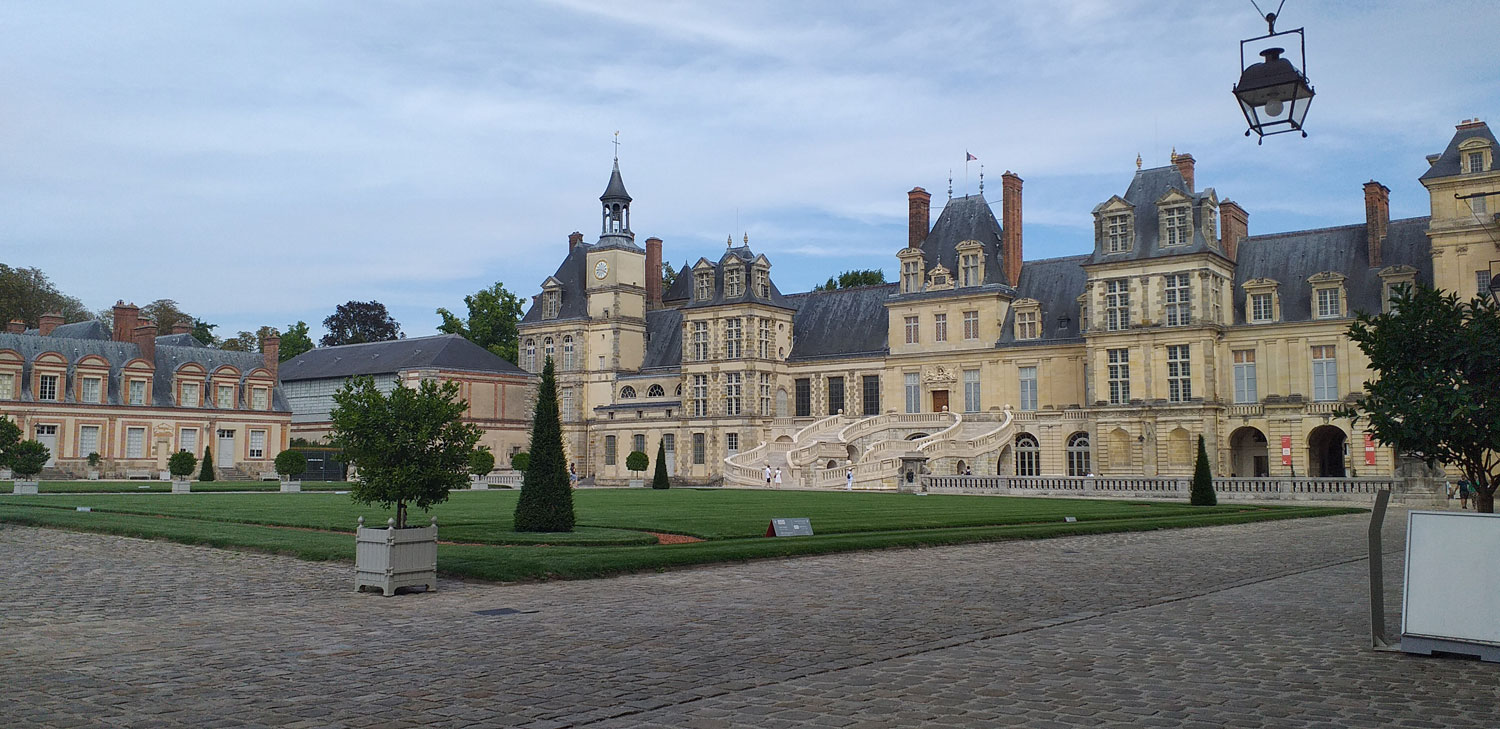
(1286, 233)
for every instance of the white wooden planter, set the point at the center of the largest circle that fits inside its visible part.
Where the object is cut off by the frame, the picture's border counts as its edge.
(392, 558)
(182, 486)
(24, 487)
(637, 483)
(479, 483)
(288, 486)
(93, 475)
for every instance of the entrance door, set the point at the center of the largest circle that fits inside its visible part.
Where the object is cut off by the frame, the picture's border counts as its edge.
(939, 400)
(47, 436)
(225, 455)
(669, 441)
(1325, 450)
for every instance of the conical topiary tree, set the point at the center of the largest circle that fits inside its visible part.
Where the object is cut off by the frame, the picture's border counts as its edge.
(659, 479)
(546, 503)
(1203, 480)
(207, 472)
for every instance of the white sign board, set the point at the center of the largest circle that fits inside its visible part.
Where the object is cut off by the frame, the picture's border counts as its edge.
(1452, 576)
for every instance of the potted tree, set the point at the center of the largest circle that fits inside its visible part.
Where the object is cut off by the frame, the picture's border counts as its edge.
(181, 465)
(27, 459)
(636, 463)
(659, 479)
(290, 464)
(481, 462)
(10, 435)
(410, 446)
(94, 461)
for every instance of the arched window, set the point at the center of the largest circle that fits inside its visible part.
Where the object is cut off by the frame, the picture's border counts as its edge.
(679, 389)
(656, 391)
(1028, 456)
(627, 393)
(530, 363)
(568, 352)
(1078, 455)
(547, 349)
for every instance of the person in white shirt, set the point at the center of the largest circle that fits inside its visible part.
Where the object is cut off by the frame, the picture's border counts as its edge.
(767, 474)
(777, 479)
(849, 479)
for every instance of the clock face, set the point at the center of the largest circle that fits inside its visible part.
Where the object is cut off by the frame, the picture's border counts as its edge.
(601, 269)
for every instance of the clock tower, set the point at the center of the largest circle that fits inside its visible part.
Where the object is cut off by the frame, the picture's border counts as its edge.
(615, 271)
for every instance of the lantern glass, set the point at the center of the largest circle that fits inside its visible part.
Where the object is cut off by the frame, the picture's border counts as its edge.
(1273, 94)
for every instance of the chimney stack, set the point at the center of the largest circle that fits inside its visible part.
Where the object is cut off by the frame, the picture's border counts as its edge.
(1010, 213)
(125, 318)
(575, 239)
(49, 321)
(270, 351)
(1377, 218)
(1184, 164)
(653, 273)
(144, 334)
(1234, 226)
(919, 204)
(16, 326)
(182, 327)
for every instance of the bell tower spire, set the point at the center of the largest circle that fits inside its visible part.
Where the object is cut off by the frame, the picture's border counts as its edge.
(616, 202)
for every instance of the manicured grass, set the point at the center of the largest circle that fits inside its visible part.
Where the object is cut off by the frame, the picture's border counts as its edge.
(611, 537)
(131, 487)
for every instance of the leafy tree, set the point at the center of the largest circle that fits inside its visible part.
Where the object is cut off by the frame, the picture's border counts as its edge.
(493, 313)
(27, 294)
(181, 464)
(546, 503)
(668, 275)
(164, 313)
(242, 342)
(520, 461)
(851, 279)
(28, 458)
(10, 435)
(481, 461)
(636, 461)
(204, 332)
(1438, 375)
(410, 446)
(659, 479)
(1203, 480)
(356, 322)
(291, 463)
(295, 341)
(206, 472)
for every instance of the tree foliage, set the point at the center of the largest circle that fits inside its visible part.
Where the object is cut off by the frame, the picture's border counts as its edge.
(659, 479)
(1202, 493)
(481, 461)
(546, 503)
(669, 274)
(356, 322)
(27, 294)
(295, 341)
(165, 313)
(206, 467)
(520, 460)
(242, 342)
(411, 446)
(637, 461)
(493, 313)
(291, 463)
(1438, 378)
(181, 464)
(28, 458)
(204, 332)
(10, 435)
(851, 279)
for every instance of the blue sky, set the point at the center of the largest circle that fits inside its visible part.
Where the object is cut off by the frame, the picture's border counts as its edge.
(263, 162)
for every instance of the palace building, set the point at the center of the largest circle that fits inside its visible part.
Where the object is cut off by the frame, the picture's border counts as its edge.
(1178, 323)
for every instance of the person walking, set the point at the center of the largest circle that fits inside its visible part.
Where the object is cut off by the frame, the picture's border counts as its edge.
(572, 476)
(1464, 492)
(767, 474)
(777, 481)
(849, 478)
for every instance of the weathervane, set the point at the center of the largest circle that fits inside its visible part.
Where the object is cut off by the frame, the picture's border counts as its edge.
(617, 146)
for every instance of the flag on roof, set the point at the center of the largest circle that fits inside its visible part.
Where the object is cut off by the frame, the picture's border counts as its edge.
(970, 157)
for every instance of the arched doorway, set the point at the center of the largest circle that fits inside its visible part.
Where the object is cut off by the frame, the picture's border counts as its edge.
(780, 402)
(916, 436)
(1004, 465)
(1078, 455)
(1028, 455)
(960, 468)
(1247, 453)
(1325, 451)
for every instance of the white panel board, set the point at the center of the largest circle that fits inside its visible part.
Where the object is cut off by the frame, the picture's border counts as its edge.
(1452, 576)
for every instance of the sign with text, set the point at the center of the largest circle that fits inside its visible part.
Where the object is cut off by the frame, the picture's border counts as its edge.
(1369, 449)
(789, 528)
(1286, 450)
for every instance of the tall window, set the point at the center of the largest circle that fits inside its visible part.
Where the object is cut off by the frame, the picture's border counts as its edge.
(912, 332)
(569, 362)
(47, 388)
(911, 276)
(88, 440)
(1216, 299)
(638, 442)
(734, 282)
(669, 444)
(1260, 307)
(1245, 385)
(551, 304)
(705, 282)
(1177, 299)
(765, 393)
(257, 444)
(1328, 303)
(91, 390)
(971, 392)
(698, 449)
(1078, 455)
(732, 443)
(135, 442)
(971, 325)
(1027, 326)
(835, 395)
(765, 338)
(913, 392)
(968, 269)
(1325, 373)
(733, 386)
(1179, 374)
(567, 403)
(762, 283)
(187, 440)
(733, 333)
(1028, 388)
(1119, 376)
(871, 395)
(700, 396)
(1028, 456)
(1117, 304)
(1178, 232)
(138, 394)
(700, 341)
(7, 387)
(803, 396)
(609, 450)
(225, 399)
(1476, 162)
(530, 363)
(939, 327)
(1117, 233)
(1481, 283)
(548, 350)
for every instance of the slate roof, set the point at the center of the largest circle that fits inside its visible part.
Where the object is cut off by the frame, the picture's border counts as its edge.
(663, 339)
(616, 188)
(736, 256)
(444, 352)
(1146, 188)
(682, 288)
(91, 329)
(571, 275)
(1056, 283)
(842, 323)
(1450, 162)
(1290, 258)
(965, 218)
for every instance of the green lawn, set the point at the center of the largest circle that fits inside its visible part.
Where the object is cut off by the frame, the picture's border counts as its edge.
(130, 487)
(612, 523)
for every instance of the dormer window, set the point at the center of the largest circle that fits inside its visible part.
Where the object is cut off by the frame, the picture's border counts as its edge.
(939, 278)
(1328, 295)
(190, 395)
(1475, 162)
(911, 276)
(970, 263)
(1175, 229)
(1210, 224)
(1028, 324)
(1474, 156)
(1117, 233)
(705, 281)
(762, 283)
(734, 282)
(1261, 304)
(1394, 280)
(551, 304)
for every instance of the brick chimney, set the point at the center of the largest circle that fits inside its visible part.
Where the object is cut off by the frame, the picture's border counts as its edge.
(49, 321)
(125, 318)
(144, 335)
(1377, 218)
(575, 239)
(1184, 164)
(1010, 213)
(270, 351)
(1474, 123)
(182, 327)
(919, 206)
(653, 273)
(1234, 226)
(16, 326)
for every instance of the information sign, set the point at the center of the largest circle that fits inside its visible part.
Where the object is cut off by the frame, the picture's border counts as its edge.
(789, 528)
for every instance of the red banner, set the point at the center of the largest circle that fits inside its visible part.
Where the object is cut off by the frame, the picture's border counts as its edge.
(1369, 449)
(1286, 450)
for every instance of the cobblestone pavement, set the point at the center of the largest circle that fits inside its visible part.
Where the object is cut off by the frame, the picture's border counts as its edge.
(1250, 625)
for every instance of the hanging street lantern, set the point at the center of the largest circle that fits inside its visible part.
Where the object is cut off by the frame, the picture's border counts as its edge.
(1273, 94)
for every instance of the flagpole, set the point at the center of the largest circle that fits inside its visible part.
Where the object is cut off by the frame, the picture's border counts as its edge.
(966, 173)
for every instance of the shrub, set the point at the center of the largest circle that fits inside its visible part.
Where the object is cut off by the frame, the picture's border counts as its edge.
(637, 461)
(181, 464)
(94, 460)
(546, 503)
(10, 435)
(291, 463)
(520, 461)
(28, 458)
(659, 479)
(1203, 480)
(206, 473)
(481, 461)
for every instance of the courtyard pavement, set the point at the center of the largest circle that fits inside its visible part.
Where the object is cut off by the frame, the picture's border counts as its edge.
(1241, 626)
